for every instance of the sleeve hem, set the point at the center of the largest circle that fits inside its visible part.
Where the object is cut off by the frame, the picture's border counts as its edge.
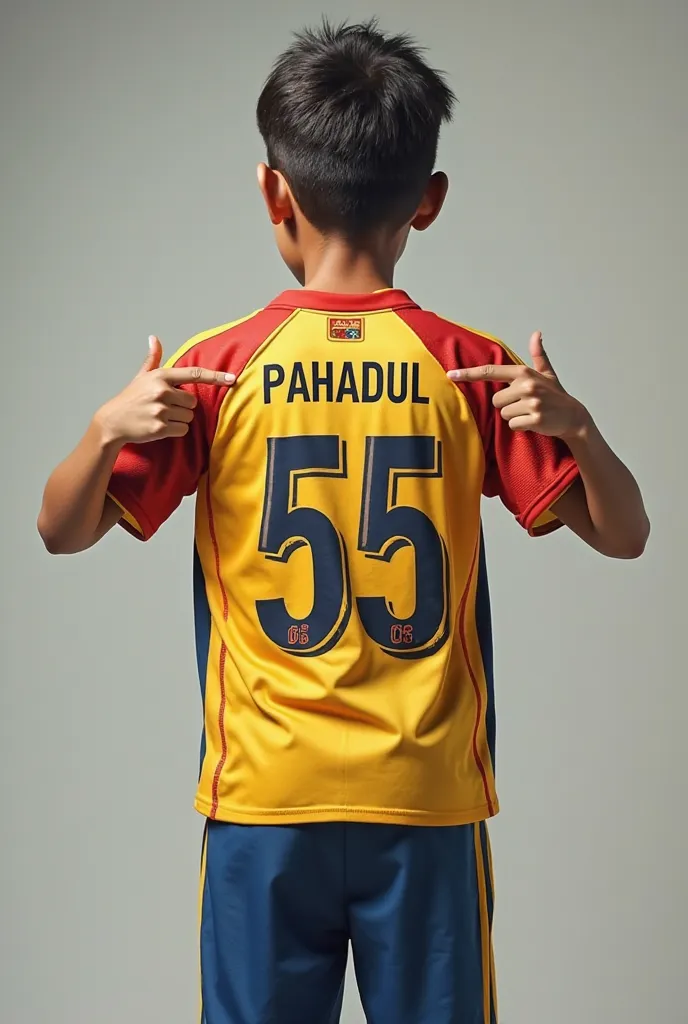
(544, 501)
(134, 520)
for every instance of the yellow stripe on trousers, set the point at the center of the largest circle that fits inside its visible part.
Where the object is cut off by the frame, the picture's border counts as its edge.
(201, 888)
(493, 974)
(485, 931)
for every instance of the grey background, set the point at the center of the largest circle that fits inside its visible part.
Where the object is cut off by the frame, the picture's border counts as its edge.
(129, 207)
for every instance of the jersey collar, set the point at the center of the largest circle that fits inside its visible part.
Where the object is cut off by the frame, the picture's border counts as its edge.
(339, 302)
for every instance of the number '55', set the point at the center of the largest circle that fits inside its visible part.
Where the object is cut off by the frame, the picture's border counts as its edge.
(384, 528)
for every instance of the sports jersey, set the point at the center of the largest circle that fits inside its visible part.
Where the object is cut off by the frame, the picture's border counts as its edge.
(341, 605)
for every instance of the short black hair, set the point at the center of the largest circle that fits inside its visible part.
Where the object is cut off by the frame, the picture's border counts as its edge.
(351, 117)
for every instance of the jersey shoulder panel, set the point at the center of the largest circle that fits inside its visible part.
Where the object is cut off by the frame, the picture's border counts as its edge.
(230, 346)
(455, 347)
(202, 336)
(227, 348)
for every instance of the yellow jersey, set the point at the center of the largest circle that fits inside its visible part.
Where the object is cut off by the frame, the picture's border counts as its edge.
(341, 606)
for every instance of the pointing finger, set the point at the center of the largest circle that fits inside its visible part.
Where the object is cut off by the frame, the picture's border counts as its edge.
(488, 373)
(178, 375)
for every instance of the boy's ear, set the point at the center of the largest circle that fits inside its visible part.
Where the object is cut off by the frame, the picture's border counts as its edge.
(276, 194)
(432, 201)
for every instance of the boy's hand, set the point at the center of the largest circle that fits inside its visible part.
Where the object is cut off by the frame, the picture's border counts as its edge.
(534, 400)
(153, 406)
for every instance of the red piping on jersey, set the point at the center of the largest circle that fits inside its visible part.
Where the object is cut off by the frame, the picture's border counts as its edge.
(476, 687)
(223, 656)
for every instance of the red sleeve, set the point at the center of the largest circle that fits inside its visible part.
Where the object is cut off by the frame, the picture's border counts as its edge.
(528, 471)
(149, 480)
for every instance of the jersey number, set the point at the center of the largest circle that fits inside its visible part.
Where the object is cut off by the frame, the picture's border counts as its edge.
(385, 527)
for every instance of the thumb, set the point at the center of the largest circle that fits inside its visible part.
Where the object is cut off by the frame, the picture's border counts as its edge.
(538, 355)
(154, 357)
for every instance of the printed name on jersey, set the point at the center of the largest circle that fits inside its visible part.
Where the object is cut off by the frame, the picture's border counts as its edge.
(322, 382)
(345, 328)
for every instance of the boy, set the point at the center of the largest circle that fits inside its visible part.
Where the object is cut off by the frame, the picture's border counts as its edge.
(338, 442)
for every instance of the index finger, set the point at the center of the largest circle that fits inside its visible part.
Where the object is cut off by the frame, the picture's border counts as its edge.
(177, 375)
(509, 372)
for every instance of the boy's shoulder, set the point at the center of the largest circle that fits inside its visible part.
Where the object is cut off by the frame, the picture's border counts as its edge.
(455, 343)
(230, 344)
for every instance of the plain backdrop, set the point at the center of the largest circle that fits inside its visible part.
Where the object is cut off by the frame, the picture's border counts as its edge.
(129, 206)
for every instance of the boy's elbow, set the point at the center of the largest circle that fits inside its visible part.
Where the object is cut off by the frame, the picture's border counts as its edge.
(53, 542)
(628, 552)
(637, 547)
(50, 546)
(45, 534)
(629, 547)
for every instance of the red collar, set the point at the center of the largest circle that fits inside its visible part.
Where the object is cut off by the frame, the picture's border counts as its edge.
(339, 302)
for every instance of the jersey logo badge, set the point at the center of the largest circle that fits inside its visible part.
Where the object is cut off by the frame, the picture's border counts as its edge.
(345, 328)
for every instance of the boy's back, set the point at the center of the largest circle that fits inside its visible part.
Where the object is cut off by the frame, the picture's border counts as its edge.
(339, 441)
(342, 609)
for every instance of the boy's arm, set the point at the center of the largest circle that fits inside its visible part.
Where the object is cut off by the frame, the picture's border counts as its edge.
(604, 507)
(76, 510)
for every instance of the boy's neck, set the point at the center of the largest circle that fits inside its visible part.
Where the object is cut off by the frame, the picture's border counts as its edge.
(336, 266)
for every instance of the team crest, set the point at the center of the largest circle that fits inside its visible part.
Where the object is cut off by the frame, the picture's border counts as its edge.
(345, 328)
